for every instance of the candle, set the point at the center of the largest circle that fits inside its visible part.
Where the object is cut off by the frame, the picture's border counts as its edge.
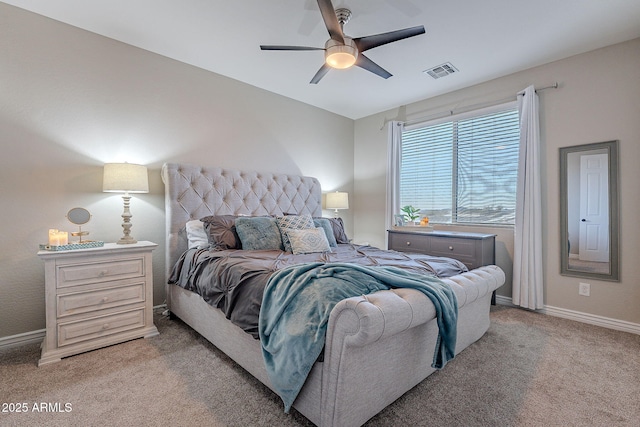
(58, 238)
(53, 237)
(63, 238)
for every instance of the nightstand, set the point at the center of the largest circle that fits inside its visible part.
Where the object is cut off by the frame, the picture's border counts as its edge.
(96, 297)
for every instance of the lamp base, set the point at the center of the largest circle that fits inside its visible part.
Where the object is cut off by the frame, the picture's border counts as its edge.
(126, 240)
(126, 223)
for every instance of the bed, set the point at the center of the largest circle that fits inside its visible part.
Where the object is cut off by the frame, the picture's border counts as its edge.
(377, 346)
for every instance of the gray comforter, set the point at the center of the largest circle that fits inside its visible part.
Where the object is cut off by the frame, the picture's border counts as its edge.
(234, 280)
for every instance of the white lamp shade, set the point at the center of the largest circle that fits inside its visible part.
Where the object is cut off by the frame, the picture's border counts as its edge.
(125, 178)
(337, 200)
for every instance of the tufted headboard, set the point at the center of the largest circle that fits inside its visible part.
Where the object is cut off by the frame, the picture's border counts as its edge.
(193, 192)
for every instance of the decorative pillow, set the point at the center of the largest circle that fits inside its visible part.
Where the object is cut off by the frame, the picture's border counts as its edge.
(309, 240)
(258, 233)
(293, 222)
(338, 230)
(196, 235)
(328, 230)
(221, 231)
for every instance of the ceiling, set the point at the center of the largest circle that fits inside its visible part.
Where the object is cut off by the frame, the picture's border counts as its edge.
(482, 39)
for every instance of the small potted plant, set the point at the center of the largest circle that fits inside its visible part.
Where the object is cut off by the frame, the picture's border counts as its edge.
(410, 213)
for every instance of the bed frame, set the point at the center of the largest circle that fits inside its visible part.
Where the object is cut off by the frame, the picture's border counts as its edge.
(377, 347)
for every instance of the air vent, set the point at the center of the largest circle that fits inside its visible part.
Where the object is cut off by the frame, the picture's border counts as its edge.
(441, 70)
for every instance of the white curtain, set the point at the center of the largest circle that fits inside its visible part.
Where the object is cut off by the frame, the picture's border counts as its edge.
(527, 262)
(394, 157)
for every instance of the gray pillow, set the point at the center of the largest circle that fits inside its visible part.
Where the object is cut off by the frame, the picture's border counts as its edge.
(338, 229)
(221, 231)
(258, 233)
(325, 224)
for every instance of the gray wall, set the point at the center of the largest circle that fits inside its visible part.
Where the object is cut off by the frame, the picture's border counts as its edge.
(72, 100)
(598, 100)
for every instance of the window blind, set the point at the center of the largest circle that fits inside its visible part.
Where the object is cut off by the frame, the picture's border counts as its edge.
(463, 171)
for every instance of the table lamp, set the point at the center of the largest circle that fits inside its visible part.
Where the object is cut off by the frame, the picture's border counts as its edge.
(337, 200)
(125, 178)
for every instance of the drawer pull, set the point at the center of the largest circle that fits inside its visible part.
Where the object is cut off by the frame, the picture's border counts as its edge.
(105, 299)
(105, 326)
(103, 273)
(450, 248)
(408, 243)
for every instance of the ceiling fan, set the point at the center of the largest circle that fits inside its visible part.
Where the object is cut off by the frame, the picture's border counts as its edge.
(341, 51)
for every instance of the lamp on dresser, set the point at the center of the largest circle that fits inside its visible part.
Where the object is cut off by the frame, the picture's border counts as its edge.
(337, 200)
(125, 178)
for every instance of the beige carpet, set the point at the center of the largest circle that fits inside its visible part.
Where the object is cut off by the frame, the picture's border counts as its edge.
(528, 370)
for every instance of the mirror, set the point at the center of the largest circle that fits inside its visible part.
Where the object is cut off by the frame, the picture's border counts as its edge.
(589, 211)
(79, 217)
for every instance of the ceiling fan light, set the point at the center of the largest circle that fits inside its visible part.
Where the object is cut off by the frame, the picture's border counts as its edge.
(340, 60)
(341, 56)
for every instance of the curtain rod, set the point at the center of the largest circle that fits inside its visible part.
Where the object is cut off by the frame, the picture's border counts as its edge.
(468, 108)
(553, 86)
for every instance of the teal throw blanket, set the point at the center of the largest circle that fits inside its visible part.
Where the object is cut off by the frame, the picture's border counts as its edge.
(297, 302)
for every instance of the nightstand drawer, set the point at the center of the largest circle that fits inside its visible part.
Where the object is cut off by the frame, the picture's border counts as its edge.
(88, 329)
(79, 274)
(82, 302)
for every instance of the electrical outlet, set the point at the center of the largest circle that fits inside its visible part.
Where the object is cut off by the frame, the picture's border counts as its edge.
(584, 289)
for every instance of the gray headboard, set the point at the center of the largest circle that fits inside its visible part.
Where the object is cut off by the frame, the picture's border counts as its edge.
(193, 192)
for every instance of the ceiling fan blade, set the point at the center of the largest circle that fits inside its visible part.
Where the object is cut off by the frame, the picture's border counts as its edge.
(369, 65)
(320, 74)
(331, 20)
(369, 42)
(278, 47)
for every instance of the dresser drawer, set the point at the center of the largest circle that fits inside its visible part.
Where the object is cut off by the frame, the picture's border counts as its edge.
(407, 242)
(96, 327)
(79, 274)
(446, 246)
(82, 302)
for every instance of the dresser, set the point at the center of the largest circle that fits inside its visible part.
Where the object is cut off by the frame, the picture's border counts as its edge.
(473, 249)
(96, 297)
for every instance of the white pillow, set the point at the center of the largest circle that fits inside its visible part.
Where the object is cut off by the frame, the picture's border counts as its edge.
(196, 235)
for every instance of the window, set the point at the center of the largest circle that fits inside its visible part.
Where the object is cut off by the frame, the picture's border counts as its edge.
(463, 171)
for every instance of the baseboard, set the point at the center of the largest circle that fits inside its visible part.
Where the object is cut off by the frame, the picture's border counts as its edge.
(605, 322)
(592, 319)
(22, 339)
(502, 300)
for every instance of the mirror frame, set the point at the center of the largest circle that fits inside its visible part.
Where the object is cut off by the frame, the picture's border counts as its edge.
(73, 212)
(614, 261)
